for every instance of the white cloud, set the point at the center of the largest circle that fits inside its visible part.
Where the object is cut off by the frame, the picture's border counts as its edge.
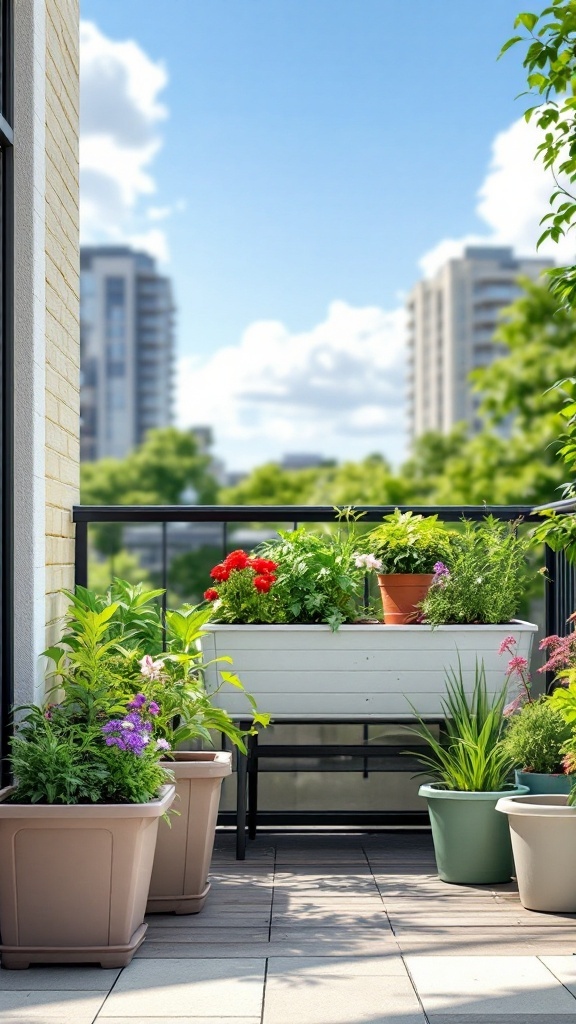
(511, 201)
(120, 119)
(337, 388)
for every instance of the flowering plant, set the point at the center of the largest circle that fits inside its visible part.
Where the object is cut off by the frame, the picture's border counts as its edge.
(241, 591)
(92, 745)
(407, 543)
(485, 577)
(537, 732)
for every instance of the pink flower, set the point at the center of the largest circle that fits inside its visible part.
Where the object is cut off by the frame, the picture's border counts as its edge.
(514, 705)
(507, 645)
(517, 665)
(367, 562)
(150, 668)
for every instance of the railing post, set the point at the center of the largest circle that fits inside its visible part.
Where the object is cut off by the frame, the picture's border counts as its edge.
(81, 555)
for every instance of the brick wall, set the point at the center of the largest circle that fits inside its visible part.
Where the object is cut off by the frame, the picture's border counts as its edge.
(62, 301)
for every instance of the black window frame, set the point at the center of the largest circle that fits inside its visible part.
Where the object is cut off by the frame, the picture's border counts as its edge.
(6, 382)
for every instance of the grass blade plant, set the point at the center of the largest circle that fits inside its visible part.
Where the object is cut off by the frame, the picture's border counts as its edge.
(470, 756)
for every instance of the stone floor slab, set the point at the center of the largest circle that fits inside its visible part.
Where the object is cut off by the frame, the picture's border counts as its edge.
(564, 969)
(54, 1006)
(201, 987)
(326, 967)
(209, 936)
(333, 999)
(75, 978)
(488, 985)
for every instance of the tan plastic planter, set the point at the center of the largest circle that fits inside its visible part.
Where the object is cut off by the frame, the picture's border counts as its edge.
(74, 880)
(180, 877)
(543, 833)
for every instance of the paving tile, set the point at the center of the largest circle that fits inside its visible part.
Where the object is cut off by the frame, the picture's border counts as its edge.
(460, 943)
(179, 1020)
(564, 969)
(339, 999)
(330, 915)
(75, 978)
(198, 987)
(325, 967)
(499, 1018)
(61, 1007)
(208, 936)
(219, 915)
(324, 935)
(488, 985)
(329, 944)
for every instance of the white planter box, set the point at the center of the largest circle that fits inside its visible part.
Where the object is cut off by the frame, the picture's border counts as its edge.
(308, 671)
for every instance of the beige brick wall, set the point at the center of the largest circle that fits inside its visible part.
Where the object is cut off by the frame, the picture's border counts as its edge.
(62, 301)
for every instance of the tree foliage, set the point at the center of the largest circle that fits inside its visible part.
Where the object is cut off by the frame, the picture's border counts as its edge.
(550, 63)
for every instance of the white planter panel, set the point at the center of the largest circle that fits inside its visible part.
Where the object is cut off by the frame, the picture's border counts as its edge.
(363, 670)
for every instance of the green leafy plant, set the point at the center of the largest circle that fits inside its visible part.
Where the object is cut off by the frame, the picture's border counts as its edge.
(408, 543)
(559, 530)
(535, 737)
(471, 756)
(317, 579)
(244, 589)
(486, 579)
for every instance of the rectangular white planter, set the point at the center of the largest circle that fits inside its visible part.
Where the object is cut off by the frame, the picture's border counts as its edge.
(358, 671)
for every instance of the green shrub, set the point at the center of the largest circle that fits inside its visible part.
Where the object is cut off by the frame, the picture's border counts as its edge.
(535, 737)
(408, 543)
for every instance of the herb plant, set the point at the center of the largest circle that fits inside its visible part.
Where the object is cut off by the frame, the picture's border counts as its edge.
(408, 543)
(471, 756)
(486, 576)
(535, 737)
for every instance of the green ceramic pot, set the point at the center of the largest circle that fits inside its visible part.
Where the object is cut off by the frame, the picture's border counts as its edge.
(470, 843)
(540, 783)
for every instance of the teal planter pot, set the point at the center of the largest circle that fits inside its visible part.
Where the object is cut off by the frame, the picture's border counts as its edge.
(471, 844)
(540, 783)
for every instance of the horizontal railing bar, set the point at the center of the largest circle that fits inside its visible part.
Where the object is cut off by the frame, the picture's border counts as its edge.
(565, 505)
(284, 513)
(331, 750)
(364, 819)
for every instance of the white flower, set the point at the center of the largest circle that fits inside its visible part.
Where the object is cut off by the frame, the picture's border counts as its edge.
(150, 668)
(479, 579)
(128, 725)
(366, 561)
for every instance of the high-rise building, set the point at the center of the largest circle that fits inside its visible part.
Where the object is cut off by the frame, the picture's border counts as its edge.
(452, 318)
(127, 350)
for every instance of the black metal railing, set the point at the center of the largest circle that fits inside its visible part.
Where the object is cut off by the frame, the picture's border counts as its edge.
(559, 592)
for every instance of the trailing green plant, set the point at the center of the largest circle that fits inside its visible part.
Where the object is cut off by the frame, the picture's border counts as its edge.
(558, 530)
(486, 577)
(470, 756)
(535, 737)
(408, 543)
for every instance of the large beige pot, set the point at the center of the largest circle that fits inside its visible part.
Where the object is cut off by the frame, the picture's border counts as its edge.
(184, 850)
(74, 880)
(543, 833)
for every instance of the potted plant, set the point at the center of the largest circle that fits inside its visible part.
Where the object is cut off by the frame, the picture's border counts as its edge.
(173, 681)
(536, 732)
(293, 618)
(470, 768)
(408, 552)
(78, 829)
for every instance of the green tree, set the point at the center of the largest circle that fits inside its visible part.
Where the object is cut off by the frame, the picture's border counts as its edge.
(550, 63)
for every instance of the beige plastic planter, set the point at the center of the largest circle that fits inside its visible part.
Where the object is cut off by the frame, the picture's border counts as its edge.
(180, 877)
(543, 833)
(74, 880)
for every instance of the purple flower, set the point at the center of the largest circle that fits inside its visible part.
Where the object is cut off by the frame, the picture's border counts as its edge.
(153, 708)
(440, 569)
(137, 702)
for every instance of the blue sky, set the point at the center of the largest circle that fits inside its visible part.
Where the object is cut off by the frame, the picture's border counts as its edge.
(307, 154)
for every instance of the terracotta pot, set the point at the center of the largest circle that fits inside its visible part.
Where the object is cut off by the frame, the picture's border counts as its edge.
(184, 850)
(401, 593)
(74, 880)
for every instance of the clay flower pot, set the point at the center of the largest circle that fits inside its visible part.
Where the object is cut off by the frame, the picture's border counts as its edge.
(184, 850)
(401, 594)
(74, 880)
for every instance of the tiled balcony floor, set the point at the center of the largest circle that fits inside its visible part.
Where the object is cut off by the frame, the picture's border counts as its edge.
(319, 929)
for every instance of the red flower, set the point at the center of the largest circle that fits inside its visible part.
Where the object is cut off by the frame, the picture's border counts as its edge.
(220, 572)
(263, 565)
(236, 560)
(211, 594)
(263, 583)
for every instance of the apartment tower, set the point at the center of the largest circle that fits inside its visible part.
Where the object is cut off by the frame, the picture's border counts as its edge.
(452, 318)
(127, 350)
